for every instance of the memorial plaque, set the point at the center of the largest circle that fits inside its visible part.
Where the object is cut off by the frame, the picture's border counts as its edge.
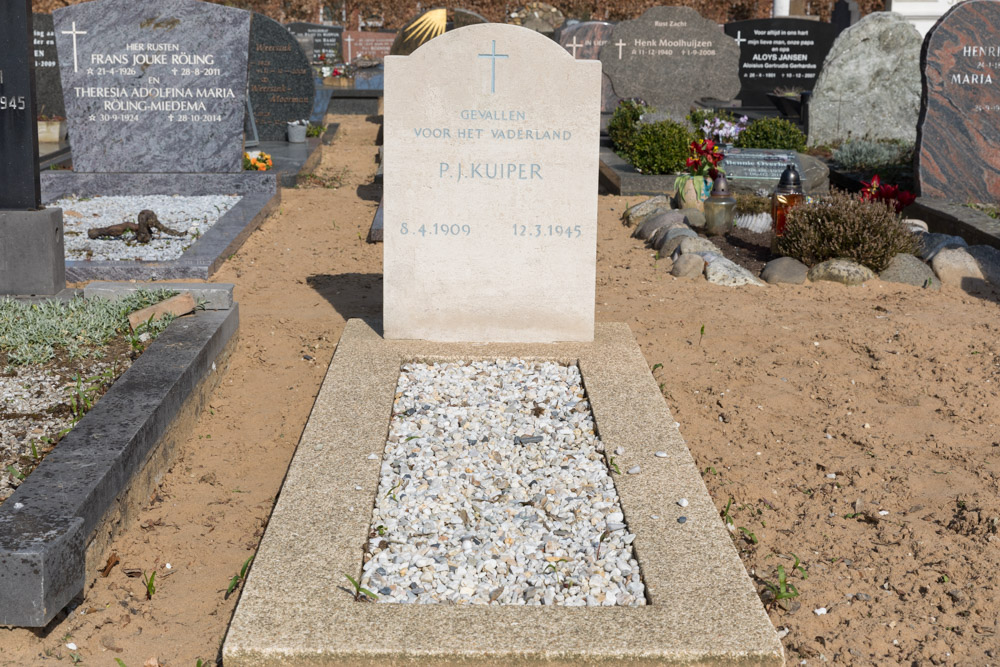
(19, 188)
(326, 40)
(959, 130)
(757, 164)
(154, 85)
(670, 57)
(48, 86)
(365, 44)
(282, 83)
(490, 189)
(779, 53)
(584, 41)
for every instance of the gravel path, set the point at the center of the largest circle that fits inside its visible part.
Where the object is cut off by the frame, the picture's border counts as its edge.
(494, 489)
(192, 215)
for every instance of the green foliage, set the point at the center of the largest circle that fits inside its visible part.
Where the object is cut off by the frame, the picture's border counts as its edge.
(148, 582)
(359, 591)
(840, 225)
(783, 590)
(315, 130)
(873, 155)
(772, 132)
(660, 148)
(623, 125)
(31, 332)
(85, 392)
(238, 577)
(751, 204)
(697, 117)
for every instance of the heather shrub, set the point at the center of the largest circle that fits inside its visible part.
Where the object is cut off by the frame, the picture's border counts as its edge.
(624, 124)
(776, 133)
(752, 204)
(660, 148)
(840, 225)
(872, 155)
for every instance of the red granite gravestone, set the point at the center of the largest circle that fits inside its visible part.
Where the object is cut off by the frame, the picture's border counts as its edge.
(958, 137)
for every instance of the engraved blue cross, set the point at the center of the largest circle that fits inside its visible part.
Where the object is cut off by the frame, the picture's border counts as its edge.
(494, 55)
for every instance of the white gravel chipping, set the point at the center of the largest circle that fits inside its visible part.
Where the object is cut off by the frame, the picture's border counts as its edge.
(192, 215)
(494, 490)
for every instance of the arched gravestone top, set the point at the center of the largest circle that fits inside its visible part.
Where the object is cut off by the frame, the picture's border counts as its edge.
(584, 42)
(154, 85)
(779, 53)
(490, 189)
(670, 57)
(282, 83)
(869, 87)
(958, 142)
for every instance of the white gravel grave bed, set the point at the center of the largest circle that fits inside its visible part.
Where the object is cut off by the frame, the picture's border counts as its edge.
(494, 488)
(192, 215)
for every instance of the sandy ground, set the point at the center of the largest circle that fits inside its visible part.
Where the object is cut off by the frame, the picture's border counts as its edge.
(853, 427)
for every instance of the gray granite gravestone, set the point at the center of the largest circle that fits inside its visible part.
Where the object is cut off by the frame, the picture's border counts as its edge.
(154, 85)
(671, 57)
(957, 155)
(31, 242)
(869, 87)
(326, 40)
(584, 41)
(48, 86)
(282, 83)
(779, 53)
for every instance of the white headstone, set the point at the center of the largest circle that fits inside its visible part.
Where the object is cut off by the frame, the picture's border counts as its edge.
(923, 14)
(490, 189)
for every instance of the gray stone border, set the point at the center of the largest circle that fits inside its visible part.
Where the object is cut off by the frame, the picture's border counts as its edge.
(57, 525)
(208, 296)
(295, 609)
(260, 197)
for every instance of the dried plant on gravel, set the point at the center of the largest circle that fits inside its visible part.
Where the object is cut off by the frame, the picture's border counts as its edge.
(840, 225)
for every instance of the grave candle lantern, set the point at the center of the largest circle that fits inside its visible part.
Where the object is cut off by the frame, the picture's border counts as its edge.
(787, 195)
(720, 208)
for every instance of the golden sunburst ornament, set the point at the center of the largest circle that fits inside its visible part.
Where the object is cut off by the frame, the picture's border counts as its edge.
(427, 26)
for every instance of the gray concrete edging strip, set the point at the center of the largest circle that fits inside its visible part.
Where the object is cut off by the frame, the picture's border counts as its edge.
(49, 521)
(295, 609)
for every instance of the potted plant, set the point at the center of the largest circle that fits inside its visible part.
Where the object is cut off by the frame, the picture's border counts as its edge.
(702, 165)
(51, 129)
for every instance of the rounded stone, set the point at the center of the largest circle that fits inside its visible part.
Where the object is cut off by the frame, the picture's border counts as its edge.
(636, 215)
(955, 266)
(722, 271)
(688, 266)
(842, 271)
(908, 269)
(697, 244)
(682, 519)
(695, 218)
(656, 222)
(785, 270)
(932, 244)
(988, 259)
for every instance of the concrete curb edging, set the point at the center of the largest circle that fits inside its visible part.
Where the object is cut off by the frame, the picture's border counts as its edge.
(213, 296)
(54, 528)
(295, 608)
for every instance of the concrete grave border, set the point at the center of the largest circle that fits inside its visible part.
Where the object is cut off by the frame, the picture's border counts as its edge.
(56, 527)
(261, 196)
(294, 608)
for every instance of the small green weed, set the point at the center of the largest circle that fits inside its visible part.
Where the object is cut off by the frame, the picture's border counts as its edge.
(783, 590)
(359, 591)
(238, 577)
(149, 583)
(614, 466)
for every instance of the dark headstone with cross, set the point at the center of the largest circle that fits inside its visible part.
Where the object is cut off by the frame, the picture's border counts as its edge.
(325, 41)
(31, 242)
(584, 41)
(779, 53)
(672, 57)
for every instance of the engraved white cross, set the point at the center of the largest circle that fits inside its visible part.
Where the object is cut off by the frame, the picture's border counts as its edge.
(74, 32)
(574, 46)
(620, 44)
(348, 40)
(740, 38)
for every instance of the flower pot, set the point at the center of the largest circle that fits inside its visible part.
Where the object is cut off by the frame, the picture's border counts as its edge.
(296, 133)
(51, 131)
(693, 193)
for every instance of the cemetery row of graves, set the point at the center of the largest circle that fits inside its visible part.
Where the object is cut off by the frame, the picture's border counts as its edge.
(504, 488)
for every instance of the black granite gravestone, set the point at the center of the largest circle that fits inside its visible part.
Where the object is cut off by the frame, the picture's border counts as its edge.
(282, 83)
(326, 40)
(154, 86)
(584, 41)
(779, 53)
(845, 14)
(19, 187)
(48, 85)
